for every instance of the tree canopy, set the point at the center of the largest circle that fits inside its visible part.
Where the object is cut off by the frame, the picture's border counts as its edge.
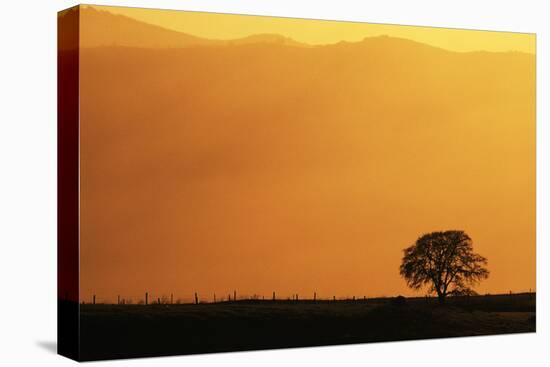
(444, 262)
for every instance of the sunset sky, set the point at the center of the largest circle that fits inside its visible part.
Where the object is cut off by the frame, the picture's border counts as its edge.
(262, 167)
(227, 26)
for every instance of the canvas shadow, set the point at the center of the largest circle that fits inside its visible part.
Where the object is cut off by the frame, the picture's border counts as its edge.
(48, 345)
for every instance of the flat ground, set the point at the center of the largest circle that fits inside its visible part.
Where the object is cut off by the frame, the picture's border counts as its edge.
(124, 331)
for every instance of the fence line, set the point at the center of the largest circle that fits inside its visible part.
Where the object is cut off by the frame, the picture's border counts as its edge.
(168, 299)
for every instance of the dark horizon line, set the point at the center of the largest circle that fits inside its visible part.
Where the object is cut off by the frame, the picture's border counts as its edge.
(259, 298)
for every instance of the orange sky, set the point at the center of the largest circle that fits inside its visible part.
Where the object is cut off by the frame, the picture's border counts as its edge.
(230, 26)
(263, 167)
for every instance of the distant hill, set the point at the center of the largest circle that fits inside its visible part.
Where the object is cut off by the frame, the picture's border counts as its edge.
(102, 28)
(267, 38)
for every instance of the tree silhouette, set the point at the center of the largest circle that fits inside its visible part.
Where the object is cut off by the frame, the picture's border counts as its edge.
(445, 262)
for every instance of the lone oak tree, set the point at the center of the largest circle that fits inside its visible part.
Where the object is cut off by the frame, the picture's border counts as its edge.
(445, 262)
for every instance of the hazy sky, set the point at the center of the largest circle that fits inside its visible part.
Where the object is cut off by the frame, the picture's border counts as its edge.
(267, 168)
(226, 26)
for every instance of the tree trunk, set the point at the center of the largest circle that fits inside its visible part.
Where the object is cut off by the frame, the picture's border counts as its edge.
(441, 298)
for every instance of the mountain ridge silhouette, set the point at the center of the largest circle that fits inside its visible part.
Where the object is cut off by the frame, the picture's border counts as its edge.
(111, 29)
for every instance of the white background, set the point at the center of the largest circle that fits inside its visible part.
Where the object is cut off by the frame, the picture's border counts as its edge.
(28, 182)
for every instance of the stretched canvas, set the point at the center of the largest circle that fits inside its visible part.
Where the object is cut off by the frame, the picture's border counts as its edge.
(235, 182)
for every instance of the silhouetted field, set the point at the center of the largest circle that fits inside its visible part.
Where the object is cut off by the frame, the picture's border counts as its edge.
(124, 331)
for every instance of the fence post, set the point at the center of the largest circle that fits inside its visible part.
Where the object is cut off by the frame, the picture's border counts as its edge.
(274, 295)
(214, 297)
(146, 298)
(93, 302)
(334, 298)
(315, 296)
(234, 295)
(196, 298)
(171, 298)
